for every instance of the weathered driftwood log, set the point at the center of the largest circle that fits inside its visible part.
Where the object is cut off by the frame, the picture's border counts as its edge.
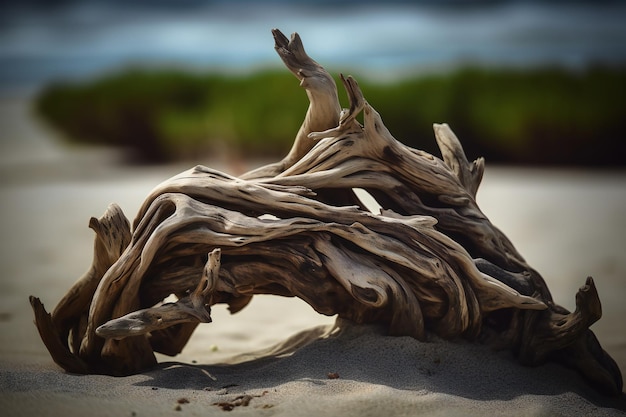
(429, 262)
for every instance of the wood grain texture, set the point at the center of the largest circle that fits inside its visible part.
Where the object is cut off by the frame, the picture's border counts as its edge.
(429, 263)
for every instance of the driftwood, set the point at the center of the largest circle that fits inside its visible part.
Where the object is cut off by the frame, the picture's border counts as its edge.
(429, 262)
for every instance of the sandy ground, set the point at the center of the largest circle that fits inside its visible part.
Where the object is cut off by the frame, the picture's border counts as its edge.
(568, 225)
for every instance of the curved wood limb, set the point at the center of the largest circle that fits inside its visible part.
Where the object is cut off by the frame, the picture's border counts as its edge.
(63, 330)
(324, 108)
(194, 308)
(470, 175)
(347, 121)
(566, 338)
(58, 350)
(112, 237)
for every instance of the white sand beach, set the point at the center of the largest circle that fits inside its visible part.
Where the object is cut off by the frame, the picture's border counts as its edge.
(273, 358)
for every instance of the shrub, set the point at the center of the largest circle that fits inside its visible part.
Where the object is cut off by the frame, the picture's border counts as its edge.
(543, 116)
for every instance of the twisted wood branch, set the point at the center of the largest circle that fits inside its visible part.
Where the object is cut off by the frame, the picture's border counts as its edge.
(429, 262)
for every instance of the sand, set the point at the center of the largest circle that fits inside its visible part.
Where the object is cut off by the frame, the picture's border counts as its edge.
(278, 356)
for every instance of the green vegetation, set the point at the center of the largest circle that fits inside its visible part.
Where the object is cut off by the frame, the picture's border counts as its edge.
(541, 116)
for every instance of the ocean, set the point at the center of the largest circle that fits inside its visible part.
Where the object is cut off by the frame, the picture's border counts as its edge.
(77, 40)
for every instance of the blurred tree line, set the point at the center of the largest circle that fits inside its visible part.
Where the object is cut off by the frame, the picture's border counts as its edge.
(545, 116)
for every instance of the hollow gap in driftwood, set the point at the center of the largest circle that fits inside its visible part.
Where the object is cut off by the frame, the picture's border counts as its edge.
(301, 328)
(367, 200)
(172, 298)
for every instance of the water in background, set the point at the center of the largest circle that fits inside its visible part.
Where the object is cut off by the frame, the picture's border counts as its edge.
(43, 41)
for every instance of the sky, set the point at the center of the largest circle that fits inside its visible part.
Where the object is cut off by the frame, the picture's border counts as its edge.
(43, 41)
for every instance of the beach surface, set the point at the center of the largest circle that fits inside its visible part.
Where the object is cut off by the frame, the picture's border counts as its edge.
(278, 356)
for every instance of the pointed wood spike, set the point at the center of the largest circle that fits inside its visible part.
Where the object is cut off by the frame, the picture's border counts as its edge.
(470, 175)
(194, 308)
